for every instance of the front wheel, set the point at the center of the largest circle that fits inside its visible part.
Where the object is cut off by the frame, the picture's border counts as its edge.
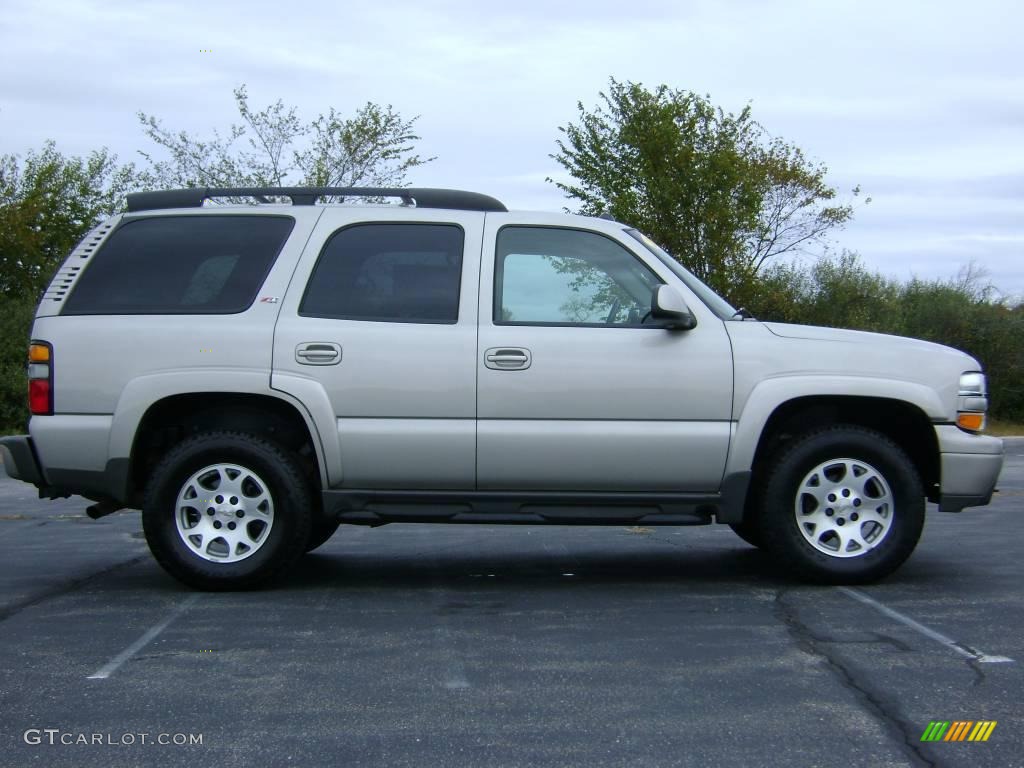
(842, 505)
(227, 510)
(320, 533)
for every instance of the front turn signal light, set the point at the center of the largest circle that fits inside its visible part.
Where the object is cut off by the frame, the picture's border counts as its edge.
(973, 422)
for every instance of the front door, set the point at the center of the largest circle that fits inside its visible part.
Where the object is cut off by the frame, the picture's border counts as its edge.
(577, 390)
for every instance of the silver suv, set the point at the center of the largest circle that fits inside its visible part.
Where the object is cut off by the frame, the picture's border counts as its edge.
(250, 376)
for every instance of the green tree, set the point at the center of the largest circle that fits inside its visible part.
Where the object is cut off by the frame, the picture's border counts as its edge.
(15, 321)
(965, 312)
(273, 147)
(48, 201)
(711, 187)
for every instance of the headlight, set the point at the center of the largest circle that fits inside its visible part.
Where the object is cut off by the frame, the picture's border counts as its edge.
(973, 384)
(972, 403)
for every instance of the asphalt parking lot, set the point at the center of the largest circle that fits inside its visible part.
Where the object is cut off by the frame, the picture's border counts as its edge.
(508, 646)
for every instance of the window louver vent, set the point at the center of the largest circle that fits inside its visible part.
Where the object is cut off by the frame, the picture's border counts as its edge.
(64, 280)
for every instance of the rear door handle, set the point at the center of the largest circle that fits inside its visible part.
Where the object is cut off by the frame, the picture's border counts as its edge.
(507, 358)
(318, 353)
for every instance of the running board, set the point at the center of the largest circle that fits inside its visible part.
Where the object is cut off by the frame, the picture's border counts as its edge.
(365, 507)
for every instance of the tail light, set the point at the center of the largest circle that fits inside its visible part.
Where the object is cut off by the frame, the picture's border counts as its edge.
(40, 378)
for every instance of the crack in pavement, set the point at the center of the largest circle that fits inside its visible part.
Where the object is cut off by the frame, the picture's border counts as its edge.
(979, 672)
(875, 639)
(902, 731)
(65, 587)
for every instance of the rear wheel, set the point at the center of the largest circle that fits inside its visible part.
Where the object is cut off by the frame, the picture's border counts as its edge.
(227, 510)
(842, 505)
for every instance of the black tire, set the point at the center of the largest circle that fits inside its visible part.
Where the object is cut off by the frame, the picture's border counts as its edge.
(749, 532)
(269, 472)
(900, 507)
(320, 533)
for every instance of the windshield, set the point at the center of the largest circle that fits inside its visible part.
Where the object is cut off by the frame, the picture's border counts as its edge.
(715, 303)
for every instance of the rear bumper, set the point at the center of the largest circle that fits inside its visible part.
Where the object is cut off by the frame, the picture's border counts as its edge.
(20, 460)
(970, 466)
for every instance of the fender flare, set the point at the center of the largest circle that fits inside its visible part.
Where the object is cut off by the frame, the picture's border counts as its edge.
(770, 394)
(143, 392)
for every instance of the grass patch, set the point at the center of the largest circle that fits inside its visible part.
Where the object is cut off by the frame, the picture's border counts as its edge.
(1001, 428)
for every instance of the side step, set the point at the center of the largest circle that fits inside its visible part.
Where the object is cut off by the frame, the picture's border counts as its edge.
(366, 507)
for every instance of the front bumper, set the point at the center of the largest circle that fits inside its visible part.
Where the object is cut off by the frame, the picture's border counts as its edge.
(969, 465)
(20, 460)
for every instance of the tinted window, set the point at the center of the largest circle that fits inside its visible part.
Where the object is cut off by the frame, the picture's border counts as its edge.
(568, 276)
(402, 273)
(180, 265)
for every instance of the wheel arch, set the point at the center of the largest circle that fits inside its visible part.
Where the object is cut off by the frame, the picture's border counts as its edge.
(904, 422)
(173, 418)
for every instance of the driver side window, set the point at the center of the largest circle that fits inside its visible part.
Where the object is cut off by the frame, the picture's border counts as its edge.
(546, 275)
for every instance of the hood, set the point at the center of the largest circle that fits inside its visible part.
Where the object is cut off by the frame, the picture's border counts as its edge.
(842, 335)
(765, 351)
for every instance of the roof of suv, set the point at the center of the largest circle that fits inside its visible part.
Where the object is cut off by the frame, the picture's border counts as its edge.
(454, 199)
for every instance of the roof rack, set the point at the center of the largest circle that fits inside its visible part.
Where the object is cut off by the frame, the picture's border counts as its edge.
(455, 199)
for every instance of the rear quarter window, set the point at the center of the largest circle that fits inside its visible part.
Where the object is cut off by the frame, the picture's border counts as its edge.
(180, 265)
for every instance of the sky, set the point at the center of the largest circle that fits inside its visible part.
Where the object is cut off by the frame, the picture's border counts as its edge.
(919, 103)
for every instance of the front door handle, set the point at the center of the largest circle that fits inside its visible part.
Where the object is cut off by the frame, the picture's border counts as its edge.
(507, 358)
(318, 353)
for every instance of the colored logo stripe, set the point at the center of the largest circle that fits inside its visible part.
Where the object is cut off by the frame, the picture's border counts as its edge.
(982, 730)
(958, 730)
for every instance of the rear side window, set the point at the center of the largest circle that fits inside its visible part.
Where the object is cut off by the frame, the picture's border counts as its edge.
(399, 273)
(180, 265)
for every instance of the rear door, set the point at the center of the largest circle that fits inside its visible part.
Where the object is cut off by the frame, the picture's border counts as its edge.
(381, 316)
(576, 393)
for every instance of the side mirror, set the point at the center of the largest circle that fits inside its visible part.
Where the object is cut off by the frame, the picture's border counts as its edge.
(668, 307)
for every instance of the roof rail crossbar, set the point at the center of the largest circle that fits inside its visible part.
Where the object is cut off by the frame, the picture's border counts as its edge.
(455, 199)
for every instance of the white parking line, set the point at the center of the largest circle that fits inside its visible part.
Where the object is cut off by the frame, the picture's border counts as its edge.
(456, 679)
(964, 650)
(111, 666)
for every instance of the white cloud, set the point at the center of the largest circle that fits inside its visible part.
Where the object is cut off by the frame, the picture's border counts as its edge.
(923, 100)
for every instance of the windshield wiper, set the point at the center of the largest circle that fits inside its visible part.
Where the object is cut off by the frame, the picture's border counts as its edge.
(743, 314)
